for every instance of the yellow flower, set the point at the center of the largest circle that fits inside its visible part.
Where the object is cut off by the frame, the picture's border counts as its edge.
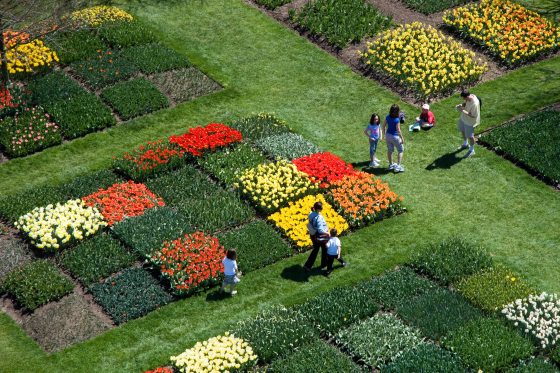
(97, 15)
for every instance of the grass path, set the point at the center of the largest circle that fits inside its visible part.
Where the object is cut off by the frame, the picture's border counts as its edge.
(265, 67)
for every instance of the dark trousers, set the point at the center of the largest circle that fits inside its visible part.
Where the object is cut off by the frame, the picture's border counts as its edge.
(316, 246)
(330, 261)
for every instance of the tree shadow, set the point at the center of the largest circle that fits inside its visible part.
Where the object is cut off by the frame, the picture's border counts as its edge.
(296, 273)
(365, 167)
(446, 161)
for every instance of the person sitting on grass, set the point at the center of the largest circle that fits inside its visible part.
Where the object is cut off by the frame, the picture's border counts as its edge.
(426, 120)
(231, 272)
(333, 252)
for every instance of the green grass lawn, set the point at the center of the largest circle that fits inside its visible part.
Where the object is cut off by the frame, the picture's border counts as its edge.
(266, 67)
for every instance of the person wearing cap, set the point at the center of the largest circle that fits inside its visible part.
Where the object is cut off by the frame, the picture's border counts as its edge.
(470, 118)
(426, 120)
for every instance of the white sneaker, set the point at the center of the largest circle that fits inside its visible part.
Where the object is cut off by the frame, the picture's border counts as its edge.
(375, 163)
(463, 147)
(371, 164)
(234, 292)
(399, 168)
(392, 166)
(469, 154)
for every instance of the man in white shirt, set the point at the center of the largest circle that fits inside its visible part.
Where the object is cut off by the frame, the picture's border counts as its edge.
(470, 118)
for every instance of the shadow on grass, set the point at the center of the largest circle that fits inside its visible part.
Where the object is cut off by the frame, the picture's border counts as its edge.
(365, 167)
(217, 295)
(296, 273)
(446, 161)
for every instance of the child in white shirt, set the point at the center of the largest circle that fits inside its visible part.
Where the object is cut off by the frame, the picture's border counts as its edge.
(231, 272)
(333, 252)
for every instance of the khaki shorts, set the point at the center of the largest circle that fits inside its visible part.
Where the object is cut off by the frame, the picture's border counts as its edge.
(465, 128)
(394, 142)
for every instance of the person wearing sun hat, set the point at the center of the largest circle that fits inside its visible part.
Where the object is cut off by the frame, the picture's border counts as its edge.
(426, 120)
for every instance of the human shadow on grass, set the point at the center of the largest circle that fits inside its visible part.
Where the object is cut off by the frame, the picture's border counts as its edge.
(446, 161)
(298, 274)
(217, 295)
(365, 167)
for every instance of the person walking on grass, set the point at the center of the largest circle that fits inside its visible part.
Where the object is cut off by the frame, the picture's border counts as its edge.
(470, 118)
(333, 252)
(394, 138)
(373, 133)
(231, 272)
(319, 233)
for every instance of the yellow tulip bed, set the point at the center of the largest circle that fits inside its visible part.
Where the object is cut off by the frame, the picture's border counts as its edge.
(292, 220)
(98, 15)
(218, 354)
(55, 226)
(270, 186)
(30, 57)
(508, 30)
(422, 59)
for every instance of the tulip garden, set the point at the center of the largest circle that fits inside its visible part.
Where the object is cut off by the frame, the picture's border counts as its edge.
(146, 139)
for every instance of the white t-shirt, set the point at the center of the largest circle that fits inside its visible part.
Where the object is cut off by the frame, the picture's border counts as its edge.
(230, 267)
(473, 108)
(333, 245)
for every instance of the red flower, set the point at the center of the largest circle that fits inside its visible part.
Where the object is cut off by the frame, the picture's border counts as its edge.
(324, 168)
(200, 139)
(150, 158)
(121, 200)
(190, 262)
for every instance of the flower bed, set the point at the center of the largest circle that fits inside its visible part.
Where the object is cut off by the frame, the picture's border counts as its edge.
(509, 31)
(134, 98)
(200, 140)
(106, 252)
(272, 4)
(30, 57)
(272, 185)
(378, 339)
(341, 22)
(122, 34)
(292, 220)
(106, 68)
(261, 125)
(184, 84)
(190, 263)
(225, 353)
(324, 168)
(147, 233)
(155, 58)
(537, 316)
(492, 288)
(363, 199)
(53, 87)
(206, 206)
(129, 295)
(423, 60)
(123, 200)
(531, 141)
(149, 160)
(275, 332)
(249, 241)
(75, 45)
(51, 228)
(286, 146)
(98, 15)
(28, 132)
(432, 6)
(80, 114)
(226, 165)
(36, 283)
(426, 358)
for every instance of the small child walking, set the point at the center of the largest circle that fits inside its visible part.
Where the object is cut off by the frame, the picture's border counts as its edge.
(373, 133)
(333, 251)
(231, 272)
